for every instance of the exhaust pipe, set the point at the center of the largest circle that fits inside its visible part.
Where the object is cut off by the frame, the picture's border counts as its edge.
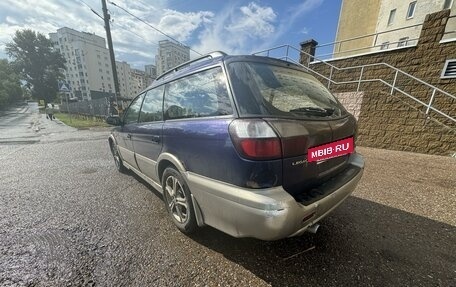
(313, 228)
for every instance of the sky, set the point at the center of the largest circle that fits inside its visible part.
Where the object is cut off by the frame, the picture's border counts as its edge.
(235, 27)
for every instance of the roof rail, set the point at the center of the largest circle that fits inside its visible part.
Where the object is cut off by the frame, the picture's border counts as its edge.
(212, 55)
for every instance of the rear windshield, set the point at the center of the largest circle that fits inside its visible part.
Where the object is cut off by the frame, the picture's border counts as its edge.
(269, 90)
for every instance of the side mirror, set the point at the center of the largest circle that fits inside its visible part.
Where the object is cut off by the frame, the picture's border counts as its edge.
(114, 120)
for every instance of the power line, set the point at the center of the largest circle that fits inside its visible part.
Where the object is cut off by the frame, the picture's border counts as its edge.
(113, 23)
(156, 29)
(93, 11)
(134, 33)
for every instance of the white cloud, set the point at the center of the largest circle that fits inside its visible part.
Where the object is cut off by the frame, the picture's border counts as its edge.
(236, 29)
(133, 40)
(252, 27)
(293, 13)
(304, 31)
(11, 20)
(181, 25)
(255, 21)
(233, 28)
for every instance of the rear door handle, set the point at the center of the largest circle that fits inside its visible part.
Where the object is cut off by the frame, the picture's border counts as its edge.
(128, 136)
(155, 139)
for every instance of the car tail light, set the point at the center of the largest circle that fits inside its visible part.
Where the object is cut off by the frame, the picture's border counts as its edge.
(255, 139)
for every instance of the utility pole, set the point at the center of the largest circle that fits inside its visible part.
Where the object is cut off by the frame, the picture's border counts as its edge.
(106, 18)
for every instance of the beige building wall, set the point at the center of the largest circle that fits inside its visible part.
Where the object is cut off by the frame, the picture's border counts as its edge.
(357, 18)
(401, 19)
(364, 17)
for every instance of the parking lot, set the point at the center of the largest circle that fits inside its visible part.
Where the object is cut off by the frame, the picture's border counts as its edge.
(68, 218)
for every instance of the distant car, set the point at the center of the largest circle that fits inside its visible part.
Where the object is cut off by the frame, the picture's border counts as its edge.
(253, 146)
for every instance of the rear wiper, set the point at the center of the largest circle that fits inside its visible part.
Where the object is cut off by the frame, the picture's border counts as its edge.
(314, 111)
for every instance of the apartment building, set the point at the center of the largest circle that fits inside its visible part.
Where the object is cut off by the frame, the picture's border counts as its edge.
(170, 55)
(151, 73)
(373, 25)
(125, 80)
(88, 70)
(131, 81)
(138, 81)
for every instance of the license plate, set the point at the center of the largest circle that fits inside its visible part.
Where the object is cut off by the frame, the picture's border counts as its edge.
(330, 150)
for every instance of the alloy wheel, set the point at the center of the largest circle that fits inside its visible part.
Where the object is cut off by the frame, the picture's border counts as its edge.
(176, 200)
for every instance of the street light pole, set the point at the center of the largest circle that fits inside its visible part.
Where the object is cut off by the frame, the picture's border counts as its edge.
(106, 18)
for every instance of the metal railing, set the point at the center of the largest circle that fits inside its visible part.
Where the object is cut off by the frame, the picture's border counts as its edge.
(336, 47)
(288, 53)
(95, 108)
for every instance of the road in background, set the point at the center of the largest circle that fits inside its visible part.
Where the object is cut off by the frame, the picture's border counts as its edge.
(70, 219)
(19, 124)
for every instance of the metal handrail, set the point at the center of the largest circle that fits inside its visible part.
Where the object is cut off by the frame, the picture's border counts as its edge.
(370, 47)
(368, 35)
(393, 86)
(338, 44)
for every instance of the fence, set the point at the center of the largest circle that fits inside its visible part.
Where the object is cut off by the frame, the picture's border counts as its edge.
(95, 108)
(380, 41)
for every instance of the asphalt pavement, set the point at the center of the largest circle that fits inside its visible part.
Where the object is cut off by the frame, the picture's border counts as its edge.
(68, 218)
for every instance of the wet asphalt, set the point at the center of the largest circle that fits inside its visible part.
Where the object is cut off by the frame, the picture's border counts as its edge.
(68, 218)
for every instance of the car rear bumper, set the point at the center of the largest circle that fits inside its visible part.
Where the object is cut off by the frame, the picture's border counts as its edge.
(267, 214)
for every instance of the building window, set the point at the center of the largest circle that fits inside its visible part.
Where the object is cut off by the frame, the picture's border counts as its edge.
(402, 42)
(411, 10)
(391, 17)
(447, 4)
(384, 46)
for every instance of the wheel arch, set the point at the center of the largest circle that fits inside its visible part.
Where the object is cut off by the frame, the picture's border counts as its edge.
(111, 140)
(168, 160)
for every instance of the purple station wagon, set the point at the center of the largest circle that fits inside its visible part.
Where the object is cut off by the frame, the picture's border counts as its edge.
(253, 146)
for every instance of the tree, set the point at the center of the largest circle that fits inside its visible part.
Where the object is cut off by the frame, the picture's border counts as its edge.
(37, 63)
(10, 85)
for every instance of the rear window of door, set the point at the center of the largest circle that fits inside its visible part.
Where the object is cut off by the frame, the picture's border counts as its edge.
(132, 113)
(152, 108)
(203, 94)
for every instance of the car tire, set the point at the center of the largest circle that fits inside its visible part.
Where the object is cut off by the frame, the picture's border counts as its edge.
(178, 201)
(117, 159)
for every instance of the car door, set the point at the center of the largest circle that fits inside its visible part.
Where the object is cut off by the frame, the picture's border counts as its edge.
(127, 131)
(147, 140)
